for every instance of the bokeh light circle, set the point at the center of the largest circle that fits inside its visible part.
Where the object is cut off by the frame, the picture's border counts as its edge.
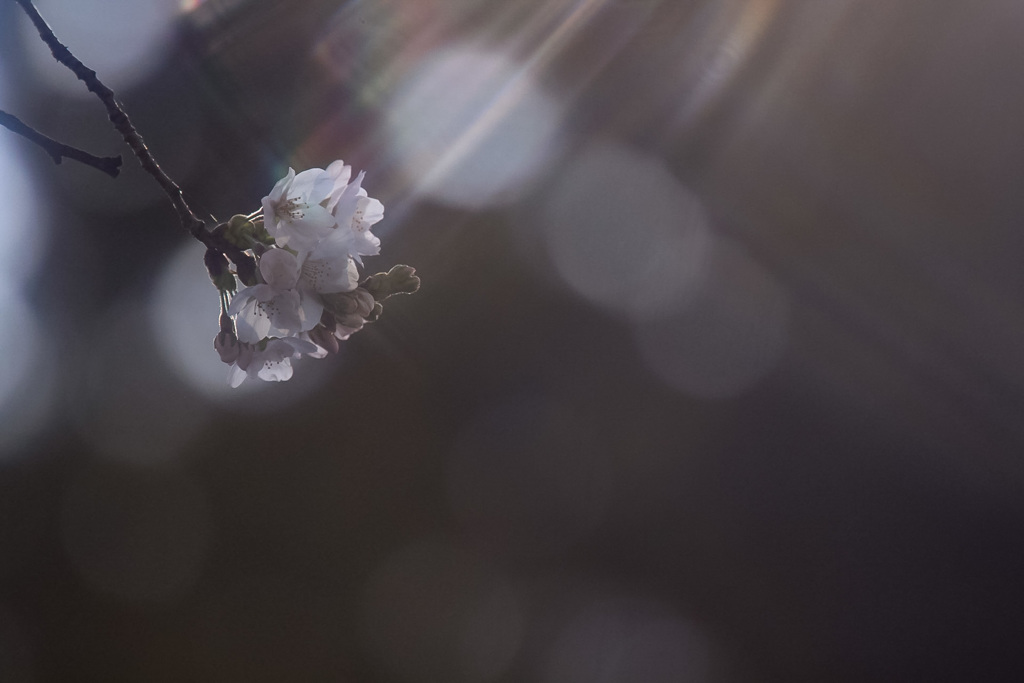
(25, 229)
(131, 408)
(122, 40)
(27, 375)
(471, 127)
(624, 233)
(728, 337)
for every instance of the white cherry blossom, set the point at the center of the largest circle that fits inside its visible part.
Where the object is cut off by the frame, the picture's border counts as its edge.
(295, 212)
(272, 363)
(327, 269)
(355, 213)
(320, 220)
(274, 308)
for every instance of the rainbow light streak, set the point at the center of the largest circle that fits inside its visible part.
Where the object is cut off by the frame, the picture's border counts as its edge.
(502, 105)
(519, 85)
(816, 27)
(727, 59)
(557, 39)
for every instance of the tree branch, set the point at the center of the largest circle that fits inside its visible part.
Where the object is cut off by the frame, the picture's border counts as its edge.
(58, 151)
(123, 124)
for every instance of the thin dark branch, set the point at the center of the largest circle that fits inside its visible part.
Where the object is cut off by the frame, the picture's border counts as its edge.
(58, 151)
(123, 124)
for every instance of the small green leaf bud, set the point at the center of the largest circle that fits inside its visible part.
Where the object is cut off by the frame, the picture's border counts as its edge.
(261, 235)
(239, 231)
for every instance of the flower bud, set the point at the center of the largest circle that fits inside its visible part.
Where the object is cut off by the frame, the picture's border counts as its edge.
(327, 320)
(239, 231)
(343, 332)
(399, 280)
(375, 313)
(226, 345)
(324, 338)
(217, 267)
(351, 322)
(246, 267)
(364, 301)
(245, 354)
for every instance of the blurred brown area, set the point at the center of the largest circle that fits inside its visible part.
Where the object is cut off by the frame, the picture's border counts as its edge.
(498, 481)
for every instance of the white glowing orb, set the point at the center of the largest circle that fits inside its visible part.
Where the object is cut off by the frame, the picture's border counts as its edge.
(624, 233)
(122, 40)
(471, 127)
(24, 229)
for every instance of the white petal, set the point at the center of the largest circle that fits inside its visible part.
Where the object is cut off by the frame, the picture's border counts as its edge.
(238, 300)
(283, 313)
(262, 292)
(252, 323)
(328, 268)
(270, 221)
(343, 332)
(311, 308)
(300, 346)
(236, 376)
(372, 212)
(304, 183)
(279, 268)
(344, 206)
(318, 351)
(340, 173)
(364, 244)
(275, 370)
(281, 187)
(303, 233)
(274, 362)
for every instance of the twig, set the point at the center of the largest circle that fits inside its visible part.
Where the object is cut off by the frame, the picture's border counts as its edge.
(58, 151)
(123, 124)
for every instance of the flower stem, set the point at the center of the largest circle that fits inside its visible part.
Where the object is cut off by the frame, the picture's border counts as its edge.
(192, 224)
(57, 150)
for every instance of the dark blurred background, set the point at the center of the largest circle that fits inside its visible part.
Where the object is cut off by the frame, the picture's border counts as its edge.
(715, 376)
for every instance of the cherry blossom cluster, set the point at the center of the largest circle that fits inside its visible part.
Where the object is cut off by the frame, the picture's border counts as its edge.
(303, 296)
(298, 257)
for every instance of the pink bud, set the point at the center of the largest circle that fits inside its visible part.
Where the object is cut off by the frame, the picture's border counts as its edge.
(226, 345)
(245, 353)
(324, 339)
